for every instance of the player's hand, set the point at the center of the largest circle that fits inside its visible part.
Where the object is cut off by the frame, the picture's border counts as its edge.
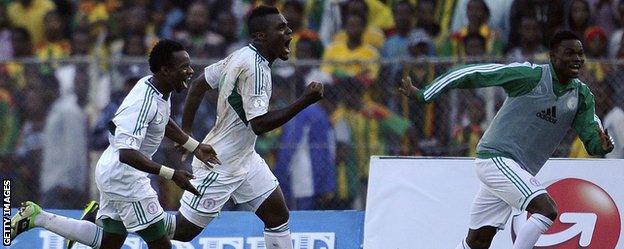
(313, 92)
(182, 179)
(207, 154)
(407, 88)
(605, 140)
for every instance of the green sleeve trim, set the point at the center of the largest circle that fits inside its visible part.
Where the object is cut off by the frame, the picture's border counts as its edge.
(586, 123)
(516, 78)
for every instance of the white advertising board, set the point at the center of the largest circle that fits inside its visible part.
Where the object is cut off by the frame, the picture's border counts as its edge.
(424, 203)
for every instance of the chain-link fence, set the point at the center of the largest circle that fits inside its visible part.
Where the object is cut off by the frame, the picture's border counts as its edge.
(53, 118)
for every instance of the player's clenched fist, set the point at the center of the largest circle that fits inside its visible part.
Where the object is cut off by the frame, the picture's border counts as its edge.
(313, 92)
(181, 178)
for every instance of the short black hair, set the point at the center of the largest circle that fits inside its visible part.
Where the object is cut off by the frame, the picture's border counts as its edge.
(562, 36)
(261, 11)
(162, 54)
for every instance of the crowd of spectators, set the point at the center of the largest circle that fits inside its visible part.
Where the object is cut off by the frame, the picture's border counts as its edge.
(66, 65)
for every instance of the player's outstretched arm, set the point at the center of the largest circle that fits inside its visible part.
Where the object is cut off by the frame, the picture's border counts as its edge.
(203, 152)
(139, 161)
(588, 126)
(407, 88)
(276, 118)
(195, 95)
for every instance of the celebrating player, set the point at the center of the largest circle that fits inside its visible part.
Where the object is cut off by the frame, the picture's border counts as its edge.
(128, 202)
(244, 83)
(543, 103)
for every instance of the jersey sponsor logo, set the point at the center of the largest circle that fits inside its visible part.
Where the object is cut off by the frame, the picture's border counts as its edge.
(208, 203)
(535, 182)
(588, 217)
(258, 102)
(549, 114)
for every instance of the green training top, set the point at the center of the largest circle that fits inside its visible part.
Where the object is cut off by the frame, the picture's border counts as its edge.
(536, 115)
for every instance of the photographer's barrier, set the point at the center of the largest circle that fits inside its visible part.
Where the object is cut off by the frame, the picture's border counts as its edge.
(425, 203)
(236, 230)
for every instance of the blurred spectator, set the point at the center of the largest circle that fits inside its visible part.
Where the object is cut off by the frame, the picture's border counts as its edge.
(80, 43)
(616, 37)
(9, 119)
(339, 57)
(306, 159)
(596, 43)
(604, 13)
(466, 134)
(66, 124)
(549, 14)
(227, 26)
(6, 50)
(578, 17)
(293, 12)
(478, 13)
(29, 14)
(196, 36)
(425, 20)
(379, 14)
(498, 18)
(614, 117)
(55, 44)
(371, 35)
(166, 20)
(99, 134)
(20, 73)
(530, 47)
(475, 45)
(28, 151)
(132, 21)
(396, 45)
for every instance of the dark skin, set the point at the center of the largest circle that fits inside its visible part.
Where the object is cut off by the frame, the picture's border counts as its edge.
(567, 59)
(272, 43)
(169, 78)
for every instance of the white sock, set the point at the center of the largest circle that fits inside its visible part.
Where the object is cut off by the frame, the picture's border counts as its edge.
(278, 237)
(170, 224)
(463, 245)
(531, 231)
(83, 231)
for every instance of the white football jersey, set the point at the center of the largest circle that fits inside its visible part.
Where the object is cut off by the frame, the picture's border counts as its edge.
(139, 124)
(244, 83)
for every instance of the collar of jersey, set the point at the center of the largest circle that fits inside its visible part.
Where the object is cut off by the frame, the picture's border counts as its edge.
(149, 84)
(558, 88)
(256, 50)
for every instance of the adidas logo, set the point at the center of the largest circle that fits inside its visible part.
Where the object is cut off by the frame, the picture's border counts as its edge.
(549, 114)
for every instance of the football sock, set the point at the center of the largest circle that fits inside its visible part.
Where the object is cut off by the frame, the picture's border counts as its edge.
(85, 232)
(278, 237)
(531, 231)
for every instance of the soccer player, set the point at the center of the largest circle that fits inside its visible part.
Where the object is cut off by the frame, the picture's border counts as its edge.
(127, 201)
(543, 103)
(243, 80)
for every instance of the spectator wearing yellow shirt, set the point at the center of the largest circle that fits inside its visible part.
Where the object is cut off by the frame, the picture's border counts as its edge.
(352, 57)
(29, 14)
(293, 11)
(478, 14)
(55, 45)
(372, 35)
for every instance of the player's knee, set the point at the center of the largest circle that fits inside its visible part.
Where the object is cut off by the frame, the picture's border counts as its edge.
(276, 219)
(545, 206)
(481, 238)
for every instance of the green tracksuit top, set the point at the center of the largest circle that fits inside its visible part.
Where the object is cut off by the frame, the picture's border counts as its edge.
(536, 115)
